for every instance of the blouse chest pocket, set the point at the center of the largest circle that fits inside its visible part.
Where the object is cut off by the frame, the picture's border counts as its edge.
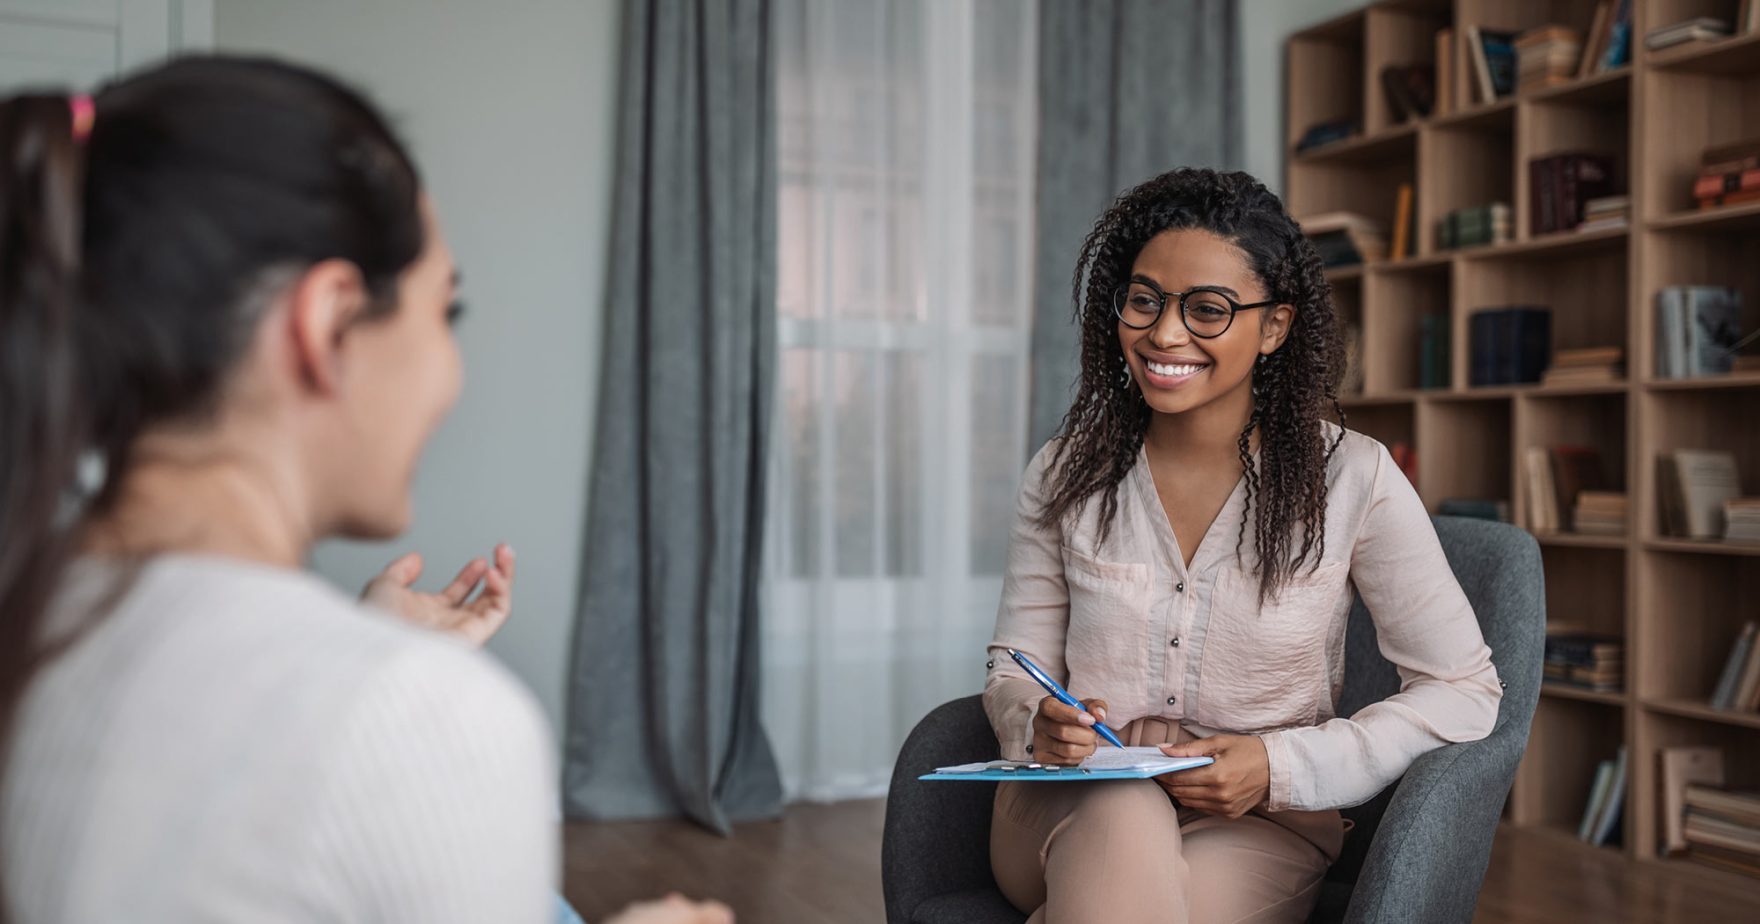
(1108, 619)
(1265, 665)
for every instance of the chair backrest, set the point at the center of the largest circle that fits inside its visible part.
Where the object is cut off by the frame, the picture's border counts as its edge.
(1498, 566)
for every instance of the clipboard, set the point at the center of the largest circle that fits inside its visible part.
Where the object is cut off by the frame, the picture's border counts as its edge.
(1134, 764)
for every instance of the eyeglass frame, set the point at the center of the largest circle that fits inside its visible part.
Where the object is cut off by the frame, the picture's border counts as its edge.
(1234, 307)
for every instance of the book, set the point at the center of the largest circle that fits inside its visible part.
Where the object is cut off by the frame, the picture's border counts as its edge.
(1723, 696)
(1542, 511)
(1410, 89)
(1547, 56)
(1668, 497)
(1494, 62)
(1697, 329)
(1711, 830)
(1726, 807)
(1741, 520)
(1746, 697)
(1734, 861)
(1574, 468)
(1614, 808)
(1619, 38)
(1600, 513)
(1679, 768)
(1509, 346)
(1590, 365)
(1699, 29)
(1597, 801)
(1595, 42)
(1325, 133)
(1433, 358)
(1702, 480)
(1402, 224)
(1345, 238)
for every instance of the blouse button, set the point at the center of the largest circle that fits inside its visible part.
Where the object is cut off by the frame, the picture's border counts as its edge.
(1174, 643)
(1180, 587)
(990, 664)
(1029, 749)
(1171, 700)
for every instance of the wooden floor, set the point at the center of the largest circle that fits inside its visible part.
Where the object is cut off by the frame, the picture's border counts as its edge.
(820, 864)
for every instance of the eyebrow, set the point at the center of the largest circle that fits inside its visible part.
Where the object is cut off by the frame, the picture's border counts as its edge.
(1225, 290)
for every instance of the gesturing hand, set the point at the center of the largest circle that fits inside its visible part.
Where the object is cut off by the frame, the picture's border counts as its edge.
(1239, 779)
(453, 609)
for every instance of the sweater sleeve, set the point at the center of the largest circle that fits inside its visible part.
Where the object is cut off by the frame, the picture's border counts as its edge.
(437, 798)
(1032, 619)
(1449, 689)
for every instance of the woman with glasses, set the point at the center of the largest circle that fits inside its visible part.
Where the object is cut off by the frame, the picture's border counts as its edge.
(1183, 559)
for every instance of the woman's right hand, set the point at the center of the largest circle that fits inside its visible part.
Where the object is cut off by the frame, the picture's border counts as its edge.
(674, 909)
(1063, 734)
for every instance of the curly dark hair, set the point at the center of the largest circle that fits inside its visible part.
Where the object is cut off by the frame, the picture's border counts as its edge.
(1293, 387)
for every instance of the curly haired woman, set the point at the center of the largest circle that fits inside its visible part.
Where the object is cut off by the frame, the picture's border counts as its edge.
(1184, 553)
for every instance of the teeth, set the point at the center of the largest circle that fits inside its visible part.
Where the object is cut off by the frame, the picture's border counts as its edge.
(1161, 369)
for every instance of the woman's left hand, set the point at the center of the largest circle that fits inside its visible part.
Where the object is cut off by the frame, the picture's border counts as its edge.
(453, 609)
(1239, 780)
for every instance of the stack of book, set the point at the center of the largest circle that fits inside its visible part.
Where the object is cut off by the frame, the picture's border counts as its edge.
(1697, 330)
(1474, 508)
(1699, 29)
(1692, 487)
(1729, 174)
(1722, 828)
(1493, 56)
(1586, 660)
(1509, 346)
(1738, 686)
(1554, 478)
(1587, 366)
(1474, 226)
(1741, 519)
(1562, 186)
(1547, 56)
(1607, 802)
(1326, 133)
(1606, 212)
(1346, 238)
(1600, 513)
(1433, 358)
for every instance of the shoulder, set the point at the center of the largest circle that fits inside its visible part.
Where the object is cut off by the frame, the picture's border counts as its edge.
(1357, 461)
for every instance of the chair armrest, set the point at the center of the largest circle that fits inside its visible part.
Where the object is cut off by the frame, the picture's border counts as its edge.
(937, 836)
(1430, 852)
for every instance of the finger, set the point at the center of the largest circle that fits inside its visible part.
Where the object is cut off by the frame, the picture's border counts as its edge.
(1063, 713)
(404, 571)
(497, 593)
(457, 592)
(1097, 707)
(1203, 747)
(1071, 734)
(714, 913)
(504, 561)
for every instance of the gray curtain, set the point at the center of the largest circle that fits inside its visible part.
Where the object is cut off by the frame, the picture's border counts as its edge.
(1128, 89)
(663, 697)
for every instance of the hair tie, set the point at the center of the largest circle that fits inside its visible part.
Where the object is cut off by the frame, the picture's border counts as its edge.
(84, 114)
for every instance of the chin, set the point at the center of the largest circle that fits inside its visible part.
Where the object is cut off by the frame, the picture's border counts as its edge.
(377, 525)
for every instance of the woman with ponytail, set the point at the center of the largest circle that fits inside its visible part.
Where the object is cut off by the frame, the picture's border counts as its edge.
(225, 334)
(1183, 558)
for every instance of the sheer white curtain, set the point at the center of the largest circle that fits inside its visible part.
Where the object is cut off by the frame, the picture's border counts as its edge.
(906, 150)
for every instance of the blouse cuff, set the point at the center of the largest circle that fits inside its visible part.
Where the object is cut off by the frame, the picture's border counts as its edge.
(1277, 759)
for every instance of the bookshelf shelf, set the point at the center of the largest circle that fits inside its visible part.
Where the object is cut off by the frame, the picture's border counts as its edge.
(1609, 87)
(1580, 540)
(1702, 547)
(1727, 218)
(1693, 709)
(1677, 604)
(1547, 246)
(1730, 56)
(1706, 383)
(1566, 691)
(1345, 273)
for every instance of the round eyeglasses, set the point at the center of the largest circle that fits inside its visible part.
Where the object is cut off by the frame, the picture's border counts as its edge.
(1206, 311)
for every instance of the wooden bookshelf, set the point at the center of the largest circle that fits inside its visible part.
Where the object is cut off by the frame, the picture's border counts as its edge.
(1677, 603)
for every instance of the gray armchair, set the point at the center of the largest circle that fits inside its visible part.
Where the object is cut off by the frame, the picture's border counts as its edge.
(1418, 851)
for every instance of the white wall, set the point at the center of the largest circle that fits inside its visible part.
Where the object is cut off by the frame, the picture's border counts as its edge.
(509, 108)
(1264, 27)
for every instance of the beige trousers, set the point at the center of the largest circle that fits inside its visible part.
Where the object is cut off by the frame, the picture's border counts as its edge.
(1123, 852)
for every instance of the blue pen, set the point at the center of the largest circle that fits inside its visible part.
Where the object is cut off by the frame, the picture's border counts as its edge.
(1052, 687)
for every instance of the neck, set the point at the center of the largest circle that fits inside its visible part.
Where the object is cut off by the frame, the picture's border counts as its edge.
(205, 495)
(1209, 433)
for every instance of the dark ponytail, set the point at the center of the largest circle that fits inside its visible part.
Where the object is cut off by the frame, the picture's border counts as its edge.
(137, 263)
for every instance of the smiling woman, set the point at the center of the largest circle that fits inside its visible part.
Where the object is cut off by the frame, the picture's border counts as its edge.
(1184, 554)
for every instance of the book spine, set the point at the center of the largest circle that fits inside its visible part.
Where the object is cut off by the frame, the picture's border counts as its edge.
(1725, 694)
(1534, 343)
(1483, 369)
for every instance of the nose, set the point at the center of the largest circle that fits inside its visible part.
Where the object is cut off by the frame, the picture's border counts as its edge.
(1170, 329)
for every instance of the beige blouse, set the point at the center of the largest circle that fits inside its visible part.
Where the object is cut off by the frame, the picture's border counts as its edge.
(1128, 622)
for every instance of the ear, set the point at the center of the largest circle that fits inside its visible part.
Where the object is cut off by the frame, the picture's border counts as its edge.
(1275, 328)
(323, 306)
